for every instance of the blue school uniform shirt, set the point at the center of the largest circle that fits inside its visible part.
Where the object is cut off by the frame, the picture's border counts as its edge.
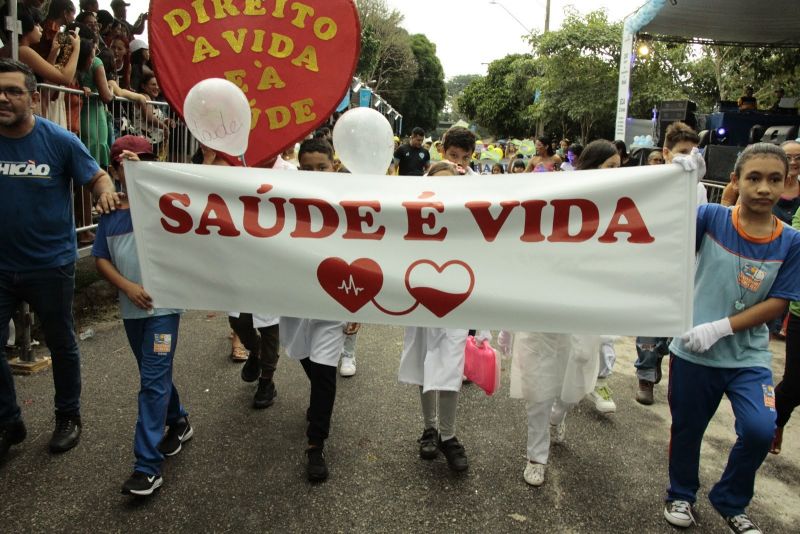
(37, 229)
(116, 243)
(730, 267)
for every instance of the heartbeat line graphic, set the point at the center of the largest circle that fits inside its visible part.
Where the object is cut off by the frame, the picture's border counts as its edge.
(350, 285)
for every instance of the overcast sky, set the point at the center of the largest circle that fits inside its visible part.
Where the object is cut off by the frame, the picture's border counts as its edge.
(470, 33)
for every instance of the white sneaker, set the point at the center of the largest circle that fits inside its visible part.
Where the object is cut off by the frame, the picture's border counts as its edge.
(534, 474)
(679, 513)
(558, 433)
(601, 397)
(348, 367)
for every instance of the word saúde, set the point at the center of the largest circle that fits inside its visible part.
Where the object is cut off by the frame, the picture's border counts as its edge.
(319, 219)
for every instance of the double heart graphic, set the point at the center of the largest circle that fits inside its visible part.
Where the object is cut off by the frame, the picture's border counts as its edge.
(354, 285)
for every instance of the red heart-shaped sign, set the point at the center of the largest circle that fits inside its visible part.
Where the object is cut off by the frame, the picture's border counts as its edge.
(443, 288)
(350, 284)
(294, 61)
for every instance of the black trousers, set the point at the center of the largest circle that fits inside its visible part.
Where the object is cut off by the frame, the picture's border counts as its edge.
(787, 393)
(266, 348)
(323, 395)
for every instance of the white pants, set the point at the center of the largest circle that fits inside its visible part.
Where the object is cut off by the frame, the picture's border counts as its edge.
(540, 416)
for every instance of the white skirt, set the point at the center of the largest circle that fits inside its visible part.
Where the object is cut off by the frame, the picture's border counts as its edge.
(433, 358)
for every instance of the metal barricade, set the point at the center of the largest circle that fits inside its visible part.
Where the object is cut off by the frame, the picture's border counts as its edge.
(714, 192)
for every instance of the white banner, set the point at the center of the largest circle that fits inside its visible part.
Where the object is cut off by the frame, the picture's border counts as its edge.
(603, 252)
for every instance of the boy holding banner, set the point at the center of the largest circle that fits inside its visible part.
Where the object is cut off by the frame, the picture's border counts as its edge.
(747, 264)
(152, 334)
(316, 343)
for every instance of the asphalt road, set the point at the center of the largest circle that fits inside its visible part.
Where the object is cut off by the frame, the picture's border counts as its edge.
(244, 470)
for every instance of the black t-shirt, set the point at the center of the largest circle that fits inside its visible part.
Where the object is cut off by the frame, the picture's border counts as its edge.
(412, 160)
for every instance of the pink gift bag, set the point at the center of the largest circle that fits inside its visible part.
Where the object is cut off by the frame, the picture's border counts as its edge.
(482, 365)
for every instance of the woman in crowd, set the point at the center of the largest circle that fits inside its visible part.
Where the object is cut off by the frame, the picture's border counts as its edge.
(573, 153)
(45, 69)
(545, 159)
(140, 62)
(787, 393)
(157, 123)
(94, 120)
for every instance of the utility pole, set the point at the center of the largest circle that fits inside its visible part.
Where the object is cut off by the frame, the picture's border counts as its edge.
(540, 123)
(547, 18)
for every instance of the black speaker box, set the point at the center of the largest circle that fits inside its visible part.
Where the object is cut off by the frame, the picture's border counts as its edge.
(720, 161)
(779, 134)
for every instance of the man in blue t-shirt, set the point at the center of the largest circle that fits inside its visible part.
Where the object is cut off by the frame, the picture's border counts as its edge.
(38, 161)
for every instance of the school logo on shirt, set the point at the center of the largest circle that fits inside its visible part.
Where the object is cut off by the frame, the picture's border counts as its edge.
(162, 343)
(750, 277)
(24, 169)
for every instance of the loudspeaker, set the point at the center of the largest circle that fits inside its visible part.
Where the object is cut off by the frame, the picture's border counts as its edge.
(675, 110)
(778, 134)
(720, 161)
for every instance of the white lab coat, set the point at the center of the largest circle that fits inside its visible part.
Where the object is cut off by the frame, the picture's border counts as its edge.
(433, 358)
(320, 340)
(553, 366)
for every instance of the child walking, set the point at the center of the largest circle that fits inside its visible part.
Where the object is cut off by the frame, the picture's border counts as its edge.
(433, 358)
(152, 334)
(747, 264)
(316, 343)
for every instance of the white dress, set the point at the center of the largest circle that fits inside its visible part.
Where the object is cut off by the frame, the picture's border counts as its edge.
(320, 340)
(553, 366)
(433, 358)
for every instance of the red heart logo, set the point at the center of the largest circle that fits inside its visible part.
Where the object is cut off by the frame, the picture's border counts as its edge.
(350, 284)
(437, 287)
(293, 60)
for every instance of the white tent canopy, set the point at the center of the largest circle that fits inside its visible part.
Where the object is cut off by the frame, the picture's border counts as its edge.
(772, 22)
(742, 22)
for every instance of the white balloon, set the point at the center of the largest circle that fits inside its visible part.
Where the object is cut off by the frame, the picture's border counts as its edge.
(364, 141)
(218, 115)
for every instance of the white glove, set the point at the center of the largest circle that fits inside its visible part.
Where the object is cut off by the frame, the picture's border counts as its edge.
(504, 341)
(483, 335)
(703, 336)
(692, 162)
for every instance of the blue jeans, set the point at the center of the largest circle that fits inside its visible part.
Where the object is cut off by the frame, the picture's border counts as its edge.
(49, 293)
(695, 392)
(649, 353)
(153, 341)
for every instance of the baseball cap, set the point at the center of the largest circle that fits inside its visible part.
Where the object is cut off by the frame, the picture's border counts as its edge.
(119, 3)
(134, 143)
(137, 44)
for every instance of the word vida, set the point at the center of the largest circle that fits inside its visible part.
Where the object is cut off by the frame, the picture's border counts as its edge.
(275, 44)
(360, 219)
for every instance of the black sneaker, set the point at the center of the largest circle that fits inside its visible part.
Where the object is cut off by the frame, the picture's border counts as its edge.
(252, 368)
(177, 434)
(427, 444)
(11, 433)
(265, 394)
(316, 469)
(66, 434)
(741, 524)
(455, 454)
(141, 484)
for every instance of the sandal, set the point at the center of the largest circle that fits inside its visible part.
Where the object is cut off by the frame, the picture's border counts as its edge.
(777, 441)
(239, 354)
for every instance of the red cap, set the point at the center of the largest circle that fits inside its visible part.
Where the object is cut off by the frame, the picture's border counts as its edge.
(133, 143)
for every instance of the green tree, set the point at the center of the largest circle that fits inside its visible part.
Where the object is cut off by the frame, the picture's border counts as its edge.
(425, 97)
(455, 86)
(578, 67)
(499, 100)
(387, 59)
